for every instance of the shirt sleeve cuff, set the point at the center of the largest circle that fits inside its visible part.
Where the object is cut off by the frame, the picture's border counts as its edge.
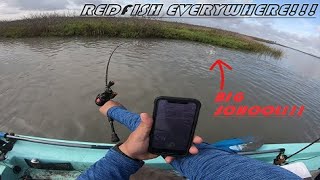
(114, 108)
(129, 165)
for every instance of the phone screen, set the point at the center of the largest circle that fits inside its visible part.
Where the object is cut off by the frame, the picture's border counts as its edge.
(173, 125)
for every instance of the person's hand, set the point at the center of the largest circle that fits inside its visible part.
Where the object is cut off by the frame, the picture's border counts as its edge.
(136, 146)
(193, 149)
(104, 109)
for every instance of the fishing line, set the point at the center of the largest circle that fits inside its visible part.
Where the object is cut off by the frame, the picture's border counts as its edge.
(303, 148)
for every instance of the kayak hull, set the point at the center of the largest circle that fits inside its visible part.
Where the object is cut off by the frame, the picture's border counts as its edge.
(73, 160)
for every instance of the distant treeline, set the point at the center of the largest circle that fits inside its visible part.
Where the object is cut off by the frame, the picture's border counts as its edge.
(62, 26)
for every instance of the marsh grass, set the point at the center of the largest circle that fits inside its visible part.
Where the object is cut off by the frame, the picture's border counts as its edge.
(56, 25)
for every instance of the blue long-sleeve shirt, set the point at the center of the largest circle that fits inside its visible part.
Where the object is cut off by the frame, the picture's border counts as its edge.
(209, 163)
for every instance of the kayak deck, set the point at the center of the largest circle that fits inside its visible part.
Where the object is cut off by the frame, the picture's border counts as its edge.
(71, 161)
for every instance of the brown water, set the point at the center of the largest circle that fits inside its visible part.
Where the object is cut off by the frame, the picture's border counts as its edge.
(48, 86)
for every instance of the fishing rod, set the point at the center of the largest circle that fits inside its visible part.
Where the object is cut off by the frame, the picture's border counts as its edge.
(51, 142)
(107, 95)
(303, 148)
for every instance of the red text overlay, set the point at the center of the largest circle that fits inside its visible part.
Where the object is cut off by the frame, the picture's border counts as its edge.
(252, 111)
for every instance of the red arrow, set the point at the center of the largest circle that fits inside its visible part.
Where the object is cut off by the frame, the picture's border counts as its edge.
(220, 63)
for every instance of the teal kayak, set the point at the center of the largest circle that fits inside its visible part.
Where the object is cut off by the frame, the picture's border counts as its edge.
(42, 158)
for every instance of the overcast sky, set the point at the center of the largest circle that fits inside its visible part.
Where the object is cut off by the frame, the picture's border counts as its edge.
(300, 33)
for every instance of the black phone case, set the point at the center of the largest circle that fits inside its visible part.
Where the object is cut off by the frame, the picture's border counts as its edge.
(166, 152)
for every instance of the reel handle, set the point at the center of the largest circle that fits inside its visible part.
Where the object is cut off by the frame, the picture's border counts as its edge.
(111, 83)
(104, 97)
(114, 136)
(101, 99)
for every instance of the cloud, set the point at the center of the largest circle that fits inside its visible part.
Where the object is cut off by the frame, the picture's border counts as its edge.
(267, 30)
(38, 5)
(264, 28)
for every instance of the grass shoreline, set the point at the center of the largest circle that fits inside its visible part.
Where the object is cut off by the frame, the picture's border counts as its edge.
(63, 26)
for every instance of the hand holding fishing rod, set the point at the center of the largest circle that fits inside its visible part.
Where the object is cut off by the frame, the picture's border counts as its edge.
(107, 95)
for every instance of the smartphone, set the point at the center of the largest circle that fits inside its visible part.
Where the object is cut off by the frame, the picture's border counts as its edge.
(175, 120)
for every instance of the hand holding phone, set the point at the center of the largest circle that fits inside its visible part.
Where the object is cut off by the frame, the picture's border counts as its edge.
(175, 120)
